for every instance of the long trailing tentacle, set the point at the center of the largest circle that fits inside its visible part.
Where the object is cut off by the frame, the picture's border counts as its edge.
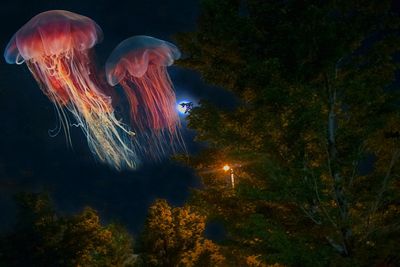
(153, 115)
(66, 80)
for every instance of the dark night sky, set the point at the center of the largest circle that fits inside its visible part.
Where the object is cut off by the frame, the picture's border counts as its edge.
(30, 160)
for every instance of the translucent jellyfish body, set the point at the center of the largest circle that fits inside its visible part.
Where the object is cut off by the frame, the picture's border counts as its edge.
(139, 64)
(56, 47)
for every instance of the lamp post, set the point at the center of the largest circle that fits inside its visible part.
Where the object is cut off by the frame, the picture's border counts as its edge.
(229, 168)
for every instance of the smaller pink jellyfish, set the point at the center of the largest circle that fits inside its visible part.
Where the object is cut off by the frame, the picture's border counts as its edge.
(139, 64)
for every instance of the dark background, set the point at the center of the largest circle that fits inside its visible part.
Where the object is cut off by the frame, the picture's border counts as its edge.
(31, 160)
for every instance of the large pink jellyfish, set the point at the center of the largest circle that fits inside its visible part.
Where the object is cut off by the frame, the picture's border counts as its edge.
(140, 64)
(55, 45)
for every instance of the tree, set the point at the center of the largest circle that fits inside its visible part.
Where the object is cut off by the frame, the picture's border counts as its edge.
(43, 238)
(174, 237)
(317, 91)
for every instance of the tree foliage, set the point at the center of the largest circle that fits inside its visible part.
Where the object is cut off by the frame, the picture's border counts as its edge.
(319, 171)
(174, 237)
(43, 238)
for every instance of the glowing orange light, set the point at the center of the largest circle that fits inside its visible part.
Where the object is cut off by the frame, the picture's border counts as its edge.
(226, 168)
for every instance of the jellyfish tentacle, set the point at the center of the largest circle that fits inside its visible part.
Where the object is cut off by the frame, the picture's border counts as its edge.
(99, 122)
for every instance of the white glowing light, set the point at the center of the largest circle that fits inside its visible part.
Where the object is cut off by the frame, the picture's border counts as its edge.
(182, 109)
(226, 168)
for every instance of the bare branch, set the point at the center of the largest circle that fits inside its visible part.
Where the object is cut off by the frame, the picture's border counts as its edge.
(309, 215)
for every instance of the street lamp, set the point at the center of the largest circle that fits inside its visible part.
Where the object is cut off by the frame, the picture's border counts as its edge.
(229, 168)
(226, 168)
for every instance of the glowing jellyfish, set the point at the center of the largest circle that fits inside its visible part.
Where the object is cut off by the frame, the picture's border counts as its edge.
(139, 64)
(55, 45)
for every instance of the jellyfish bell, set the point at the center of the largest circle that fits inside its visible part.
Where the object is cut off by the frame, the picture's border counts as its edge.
(134, 54)
(52, 33)
(47, 39)
(55, 45)
(139, 64)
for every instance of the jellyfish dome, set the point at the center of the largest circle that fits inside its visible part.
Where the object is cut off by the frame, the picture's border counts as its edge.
(51, 33)
(55, 45)
(139, 64)
(135, 54)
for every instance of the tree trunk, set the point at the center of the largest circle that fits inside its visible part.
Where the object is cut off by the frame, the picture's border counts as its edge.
(338, 191)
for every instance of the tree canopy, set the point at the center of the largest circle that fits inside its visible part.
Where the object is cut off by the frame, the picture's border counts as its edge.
(175, 237)
(44, 238)
(314, 130)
